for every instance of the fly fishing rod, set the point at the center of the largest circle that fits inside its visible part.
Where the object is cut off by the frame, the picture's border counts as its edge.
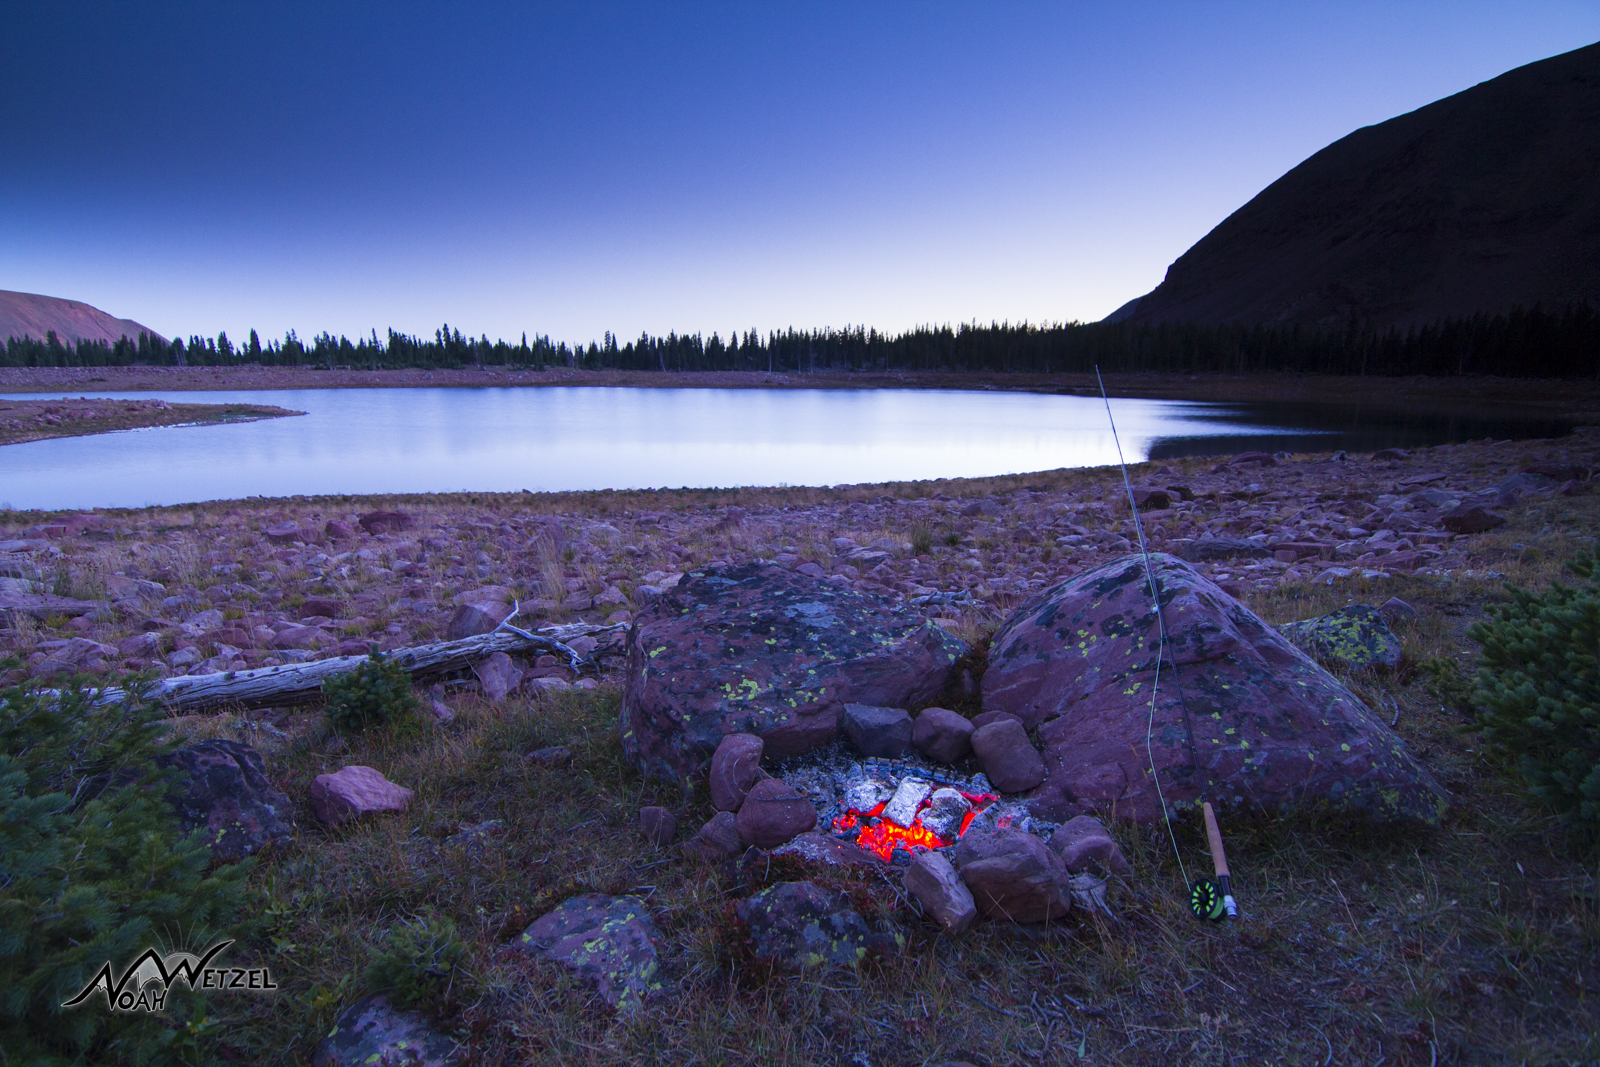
(1207, 899)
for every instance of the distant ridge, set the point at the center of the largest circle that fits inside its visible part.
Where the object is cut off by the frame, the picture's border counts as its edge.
(31, 315)
(1479, 202)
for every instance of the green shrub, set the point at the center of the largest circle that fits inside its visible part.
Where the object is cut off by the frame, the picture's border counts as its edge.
(1539, 691)
(420, 963)
(94, 870)
(376, 693)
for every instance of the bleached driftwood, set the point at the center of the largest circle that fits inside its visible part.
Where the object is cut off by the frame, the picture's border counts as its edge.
(301, 683)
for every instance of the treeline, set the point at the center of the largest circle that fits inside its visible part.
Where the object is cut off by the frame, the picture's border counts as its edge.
(1531, 343)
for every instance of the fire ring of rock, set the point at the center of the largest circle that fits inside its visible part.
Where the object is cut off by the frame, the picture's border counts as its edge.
(998, 816)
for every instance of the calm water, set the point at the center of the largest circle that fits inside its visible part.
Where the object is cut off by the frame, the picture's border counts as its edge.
(444, 440)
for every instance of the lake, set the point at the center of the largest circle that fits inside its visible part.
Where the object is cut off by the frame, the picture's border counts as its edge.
(559, 438)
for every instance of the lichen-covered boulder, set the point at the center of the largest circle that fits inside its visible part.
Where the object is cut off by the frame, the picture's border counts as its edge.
(763, 650)
(609, 941)
(1355, 636)
(1246, 720)
(372, 1031)
(223, 790)
(800, 925)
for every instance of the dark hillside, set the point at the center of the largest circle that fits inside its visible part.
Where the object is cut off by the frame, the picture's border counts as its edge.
(1480, 202)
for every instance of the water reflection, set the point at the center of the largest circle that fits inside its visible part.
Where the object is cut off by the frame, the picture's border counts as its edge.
(506, 439)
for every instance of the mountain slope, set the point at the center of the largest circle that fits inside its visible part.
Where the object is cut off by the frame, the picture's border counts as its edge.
(32, 315)
(1478, 202)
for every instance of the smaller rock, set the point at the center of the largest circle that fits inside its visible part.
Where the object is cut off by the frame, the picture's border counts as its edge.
(322, 606)
(282, 533)
(942, 735)
(1151, 499)
(984, 718)
(800, 925)
(338, 530)
(480, 617)
(773, 813)
(938, 887)
(355, 791)
(1007, 756)
(1391, 453)
(224, 791)
(1206, 549)
(376, 522)
(881, 732)
(1256, 459)
(735, 767)
(1355, 636)
(1014, 875)
(1396, 611)
(658, 826)
(828, 851)
(498, 676)
(718, 840)
(1470, 519)
(1084, 844)
(553, 754)
(372, 1031)
(609, 941)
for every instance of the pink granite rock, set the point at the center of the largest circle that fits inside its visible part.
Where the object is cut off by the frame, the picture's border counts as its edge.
(1014, 875)
(1271, 729)
(355, 791)
(942, 735)
(774, 813)
(1084, 844)
(498, 676)
(735, 767)
(1007, 756)
(717, 840)
(938, 887)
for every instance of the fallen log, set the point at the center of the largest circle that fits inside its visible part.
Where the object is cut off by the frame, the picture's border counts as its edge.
(301, 683)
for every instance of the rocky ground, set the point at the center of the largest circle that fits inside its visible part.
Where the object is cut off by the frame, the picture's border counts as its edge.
(35, 420)
(250, 583)
(517, 817)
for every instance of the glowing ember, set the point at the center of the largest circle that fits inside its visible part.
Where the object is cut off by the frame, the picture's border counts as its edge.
(883, 837)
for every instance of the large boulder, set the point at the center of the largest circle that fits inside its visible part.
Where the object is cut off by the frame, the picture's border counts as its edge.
(764, 650)
(222, 789)
(1246, 720)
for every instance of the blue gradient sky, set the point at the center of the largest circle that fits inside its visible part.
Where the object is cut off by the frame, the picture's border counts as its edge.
(576, 168)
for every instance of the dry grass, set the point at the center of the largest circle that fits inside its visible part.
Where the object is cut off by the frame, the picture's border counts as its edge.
(1473, 943)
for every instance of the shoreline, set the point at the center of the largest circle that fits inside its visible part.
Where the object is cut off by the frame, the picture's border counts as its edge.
(1577, 401)
(23, 421)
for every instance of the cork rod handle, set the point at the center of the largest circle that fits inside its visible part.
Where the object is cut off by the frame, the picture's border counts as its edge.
(1214, 835)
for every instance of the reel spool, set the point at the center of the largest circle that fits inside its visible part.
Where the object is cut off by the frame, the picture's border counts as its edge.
(1205, 900)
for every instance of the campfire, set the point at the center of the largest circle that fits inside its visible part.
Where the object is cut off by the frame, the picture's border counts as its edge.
(896, 808)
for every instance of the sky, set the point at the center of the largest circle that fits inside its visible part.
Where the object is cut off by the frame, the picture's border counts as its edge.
(694, 167)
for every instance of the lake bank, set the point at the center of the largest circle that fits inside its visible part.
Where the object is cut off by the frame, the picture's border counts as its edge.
(1574, 400)
(22, 421)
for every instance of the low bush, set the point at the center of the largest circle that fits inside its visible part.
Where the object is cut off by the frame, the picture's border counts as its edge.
(420, 963)
(1539, 692)
(94, 870)
(375, 694)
